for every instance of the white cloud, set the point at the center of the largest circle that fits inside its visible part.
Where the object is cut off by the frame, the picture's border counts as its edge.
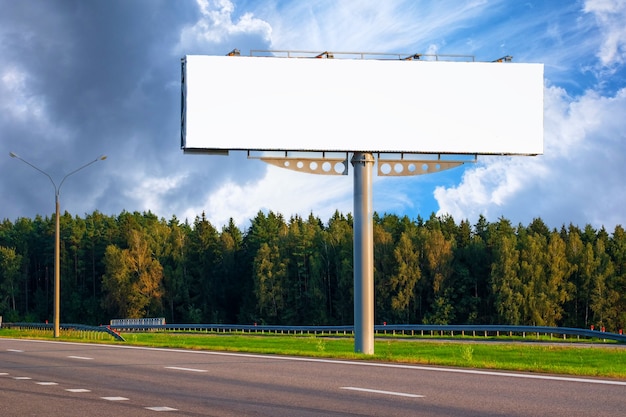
(574, 181)
(280, 190)
(16, 100)
(216, 25)
(610, 16)
(152, 193)
(22, 105)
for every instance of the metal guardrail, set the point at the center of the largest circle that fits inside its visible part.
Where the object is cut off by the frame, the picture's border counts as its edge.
(380, 330)
(395, 329)
(79, 327)
(497, 330)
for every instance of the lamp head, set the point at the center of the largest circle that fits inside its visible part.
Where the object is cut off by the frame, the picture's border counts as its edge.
(12, 155)
(102, 157)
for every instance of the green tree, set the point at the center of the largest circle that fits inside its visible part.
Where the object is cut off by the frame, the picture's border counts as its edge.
(10, 277)
(296, 250)
(117, 283)
(505, 281)
(404, 281)
(175, 275)
(543, 272)
(204, 257)
(337, 258)
(133, 279)
(617, 251)
(574, 250)
(557, 287)
(604, 298)
(229, 270)
(384, 267)
(532, 276)
(269, 275)
(73, 269)
(587, 268)
(439, 255)
(304, 286)
(269, 229)
(471, 266)
(34, 241)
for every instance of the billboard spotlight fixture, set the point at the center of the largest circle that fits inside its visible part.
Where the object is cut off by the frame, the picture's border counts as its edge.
(412, 57)
(325, 54)
(507, 58)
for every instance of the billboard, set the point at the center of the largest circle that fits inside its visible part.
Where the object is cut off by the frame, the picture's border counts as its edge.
(365, 105)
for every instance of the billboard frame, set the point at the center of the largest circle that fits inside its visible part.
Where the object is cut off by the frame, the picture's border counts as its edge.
(439, 110)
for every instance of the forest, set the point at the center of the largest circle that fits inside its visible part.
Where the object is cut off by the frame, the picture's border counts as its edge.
(299, 271)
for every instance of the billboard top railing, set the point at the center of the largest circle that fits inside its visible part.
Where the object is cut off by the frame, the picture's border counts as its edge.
(284, 53)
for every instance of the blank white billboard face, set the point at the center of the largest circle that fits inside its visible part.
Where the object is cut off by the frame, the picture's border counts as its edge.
(367, 105)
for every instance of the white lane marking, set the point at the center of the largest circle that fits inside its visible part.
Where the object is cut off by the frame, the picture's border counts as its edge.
(3, 374)
(354, 363)
(185, 369)
(15, 350)
(47, 383)
(115, 398)
(22, 377)
(84, 358)
(161, 409)
(376, 391)
(77, 390)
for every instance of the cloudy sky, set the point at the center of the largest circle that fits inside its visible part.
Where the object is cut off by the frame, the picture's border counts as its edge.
(79, 79)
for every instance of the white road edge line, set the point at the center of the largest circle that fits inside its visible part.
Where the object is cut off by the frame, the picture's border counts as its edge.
(502, 374)
(185, 369)
(376, 391)
(84, 358)
(15, 350)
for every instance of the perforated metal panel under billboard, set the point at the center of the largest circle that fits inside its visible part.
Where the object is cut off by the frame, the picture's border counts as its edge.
(367, 105)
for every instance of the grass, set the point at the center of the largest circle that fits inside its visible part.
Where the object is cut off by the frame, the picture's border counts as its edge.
(565, 359)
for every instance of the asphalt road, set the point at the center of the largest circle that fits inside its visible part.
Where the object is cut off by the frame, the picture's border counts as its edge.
(42, 378)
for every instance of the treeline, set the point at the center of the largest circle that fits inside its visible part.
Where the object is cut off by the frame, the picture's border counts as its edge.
(299, 271)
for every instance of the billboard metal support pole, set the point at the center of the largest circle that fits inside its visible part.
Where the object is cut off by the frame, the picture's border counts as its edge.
(363, 254)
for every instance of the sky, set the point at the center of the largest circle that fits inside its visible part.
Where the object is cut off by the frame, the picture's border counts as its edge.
(81, 79)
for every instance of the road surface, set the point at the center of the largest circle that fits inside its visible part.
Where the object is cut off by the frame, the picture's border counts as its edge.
(47, 378)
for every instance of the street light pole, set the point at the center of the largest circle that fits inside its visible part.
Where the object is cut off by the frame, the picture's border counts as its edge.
(57, 236)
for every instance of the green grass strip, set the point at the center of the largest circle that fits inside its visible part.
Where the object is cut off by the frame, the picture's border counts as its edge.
(556, 358)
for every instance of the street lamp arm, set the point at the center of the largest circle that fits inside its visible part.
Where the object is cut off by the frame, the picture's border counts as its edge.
(56, 192)
(57, 189)
(100, 158)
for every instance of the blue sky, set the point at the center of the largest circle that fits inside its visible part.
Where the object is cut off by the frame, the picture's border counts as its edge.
(80, 79)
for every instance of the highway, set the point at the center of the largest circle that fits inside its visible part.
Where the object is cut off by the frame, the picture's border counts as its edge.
(47, 378)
